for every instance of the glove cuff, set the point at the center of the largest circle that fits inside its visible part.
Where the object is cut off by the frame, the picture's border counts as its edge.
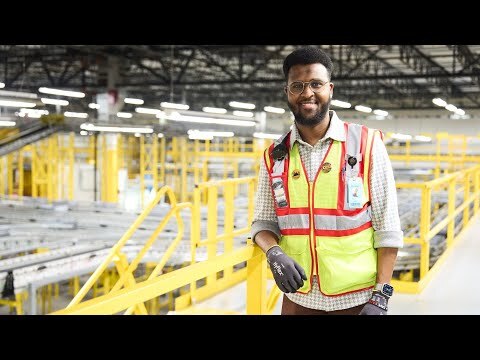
(379, 300)
(271, 247)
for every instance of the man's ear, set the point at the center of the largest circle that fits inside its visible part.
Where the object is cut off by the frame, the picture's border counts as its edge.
(286, 90)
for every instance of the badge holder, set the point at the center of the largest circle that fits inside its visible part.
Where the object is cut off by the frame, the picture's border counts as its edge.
(355, 197)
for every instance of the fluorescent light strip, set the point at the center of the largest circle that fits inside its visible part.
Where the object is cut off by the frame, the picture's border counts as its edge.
(2, 85)
(133, 101)
(83, 132)
(206, 120)
(460, 112)
(214, 110)
(260, 135)
(92, 127)
(93, 106)
(451, 107)
(401, 136)
(54, 101)
(32, 113)
(51, 91)
(243, 113)
(7, 123)
(75, 114)
(174, 106)
(439, 102)
(342, 104)
(362, 108)
(18, 94)
(274, 110)
(151, 111)
(124, 115)
(423, 138)
(200, 136)
(212, 133)
(380, 112)
(18, 104)
(241, 105)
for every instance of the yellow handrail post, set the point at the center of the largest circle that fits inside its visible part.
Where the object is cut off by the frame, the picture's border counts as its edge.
(195, 233)
(2, 179)
(162, 160)
(183, 162)
(212, 226)
(20, 173)
(257, 283)
(228, 196)
(451, 210)
(10, 174)
(466, 196)
(476, 186)
(424, 229)
(71, 164)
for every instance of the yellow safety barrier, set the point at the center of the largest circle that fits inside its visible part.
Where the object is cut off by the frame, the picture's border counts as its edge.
(125, 269)
(467, 181)
(139, 293)
(228, 188)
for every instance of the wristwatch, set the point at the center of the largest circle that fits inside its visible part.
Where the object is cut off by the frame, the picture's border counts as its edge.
(385, 289)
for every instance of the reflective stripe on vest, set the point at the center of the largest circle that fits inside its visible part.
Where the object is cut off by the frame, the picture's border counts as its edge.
(333, 222)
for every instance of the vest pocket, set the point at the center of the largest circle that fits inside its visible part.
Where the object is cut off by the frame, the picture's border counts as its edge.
(346, 263)
(297, 247)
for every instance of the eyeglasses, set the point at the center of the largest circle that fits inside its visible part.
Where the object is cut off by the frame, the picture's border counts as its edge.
(297, 87)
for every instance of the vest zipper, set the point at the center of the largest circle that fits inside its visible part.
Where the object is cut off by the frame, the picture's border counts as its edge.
(312, 227)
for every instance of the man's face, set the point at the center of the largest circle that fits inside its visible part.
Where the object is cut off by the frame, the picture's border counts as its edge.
(308, 107)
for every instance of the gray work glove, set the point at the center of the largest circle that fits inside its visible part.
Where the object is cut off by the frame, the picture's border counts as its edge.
(287, 273)
(377, 305)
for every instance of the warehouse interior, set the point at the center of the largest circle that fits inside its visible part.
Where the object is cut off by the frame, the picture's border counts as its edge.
(128, 172)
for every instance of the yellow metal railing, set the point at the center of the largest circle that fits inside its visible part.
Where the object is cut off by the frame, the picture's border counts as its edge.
(138, 293)
(125, 269)
(228, 189)
(213, 285)
(467, 181)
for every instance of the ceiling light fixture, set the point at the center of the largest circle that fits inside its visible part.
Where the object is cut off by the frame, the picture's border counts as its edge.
(122, 129)
(169, 105)
(51, 91)
(133, 101)
(54, 101)
(241, 105)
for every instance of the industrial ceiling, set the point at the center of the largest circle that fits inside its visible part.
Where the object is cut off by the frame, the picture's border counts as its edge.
(387, 77)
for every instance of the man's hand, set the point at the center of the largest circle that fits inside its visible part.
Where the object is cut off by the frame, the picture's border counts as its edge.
(287, 273)
(377, 305)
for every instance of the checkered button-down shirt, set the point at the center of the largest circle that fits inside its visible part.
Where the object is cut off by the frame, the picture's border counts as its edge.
(385, 219)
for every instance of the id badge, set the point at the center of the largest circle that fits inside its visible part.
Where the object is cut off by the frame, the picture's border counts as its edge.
(355, 193)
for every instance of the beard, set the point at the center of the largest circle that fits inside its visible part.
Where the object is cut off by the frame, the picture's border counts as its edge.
(310, 121)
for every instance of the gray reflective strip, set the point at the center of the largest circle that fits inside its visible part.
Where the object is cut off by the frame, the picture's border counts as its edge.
(354, 136)
(332, 222)
(353, 139)
(296, 221)
(278, 167)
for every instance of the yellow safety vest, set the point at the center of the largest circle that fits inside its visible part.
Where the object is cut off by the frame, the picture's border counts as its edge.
(319, 229)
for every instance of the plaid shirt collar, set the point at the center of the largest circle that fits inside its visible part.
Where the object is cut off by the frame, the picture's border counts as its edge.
(335, 131)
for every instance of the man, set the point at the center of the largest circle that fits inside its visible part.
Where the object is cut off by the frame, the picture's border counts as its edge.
(326, 205)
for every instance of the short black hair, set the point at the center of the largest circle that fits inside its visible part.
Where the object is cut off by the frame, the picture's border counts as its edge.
(305, 56)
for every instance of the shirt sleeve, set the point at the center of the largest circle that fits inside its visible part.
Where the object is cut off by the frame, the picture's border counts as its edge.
(385, 219)
(264, 217)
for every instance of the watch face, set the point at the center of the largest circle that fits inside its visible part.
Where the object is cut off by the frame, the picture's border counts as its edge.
(387, 290)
